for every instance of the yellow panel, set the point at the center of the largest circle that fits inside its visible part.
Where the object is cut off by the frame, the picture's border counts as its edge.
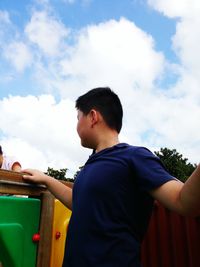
(60, 223)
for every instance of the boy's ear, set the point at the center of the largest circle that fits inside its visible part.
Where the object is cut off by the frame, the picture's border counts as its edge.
(94, 115)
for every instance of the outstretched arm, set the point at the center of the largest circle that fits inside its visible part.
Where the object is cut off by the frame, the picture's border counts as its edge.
(59, 190)
(183, 198)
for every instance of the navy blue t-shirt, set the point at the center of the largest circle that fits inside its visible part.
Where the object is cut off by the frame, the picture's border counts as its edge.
(112, 207)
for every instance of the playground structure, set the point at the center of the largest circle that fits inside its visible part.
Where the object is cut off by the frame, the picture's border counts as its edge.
(33, 230)
(33, 226)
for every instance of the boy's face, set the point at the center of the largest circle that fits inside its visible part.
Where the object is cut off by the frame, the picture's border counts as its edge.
(83, 128)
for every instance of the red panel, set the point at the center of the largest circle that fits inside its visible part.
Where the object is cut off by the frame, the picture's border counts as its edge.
(171, 240)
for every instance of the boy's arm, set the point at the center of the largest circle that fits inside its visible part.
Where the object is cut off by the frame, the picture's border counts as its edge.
(183, 198)
(58, 189)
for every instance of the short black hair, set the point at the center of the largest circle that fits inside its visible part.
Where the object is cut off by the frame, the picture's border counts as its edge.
(104, 100)
(1, 152)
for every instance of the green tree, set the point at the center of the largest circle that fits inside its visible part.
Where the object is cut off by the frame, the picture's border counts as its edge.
(59, 174)
(175, 163)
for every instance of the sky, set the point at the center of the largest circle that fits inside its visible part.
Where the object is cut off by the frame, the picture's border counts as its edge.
(52, 51)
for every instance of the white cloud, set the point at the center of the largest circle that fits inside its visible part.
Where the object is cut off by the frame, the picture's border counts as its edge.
(43, 2)
(178, 8)
(84, 2)
(46, 32)
(19, 55)
(185, 43)
(69, 1)
(116, 54)
(5, 25)
(4, 17)
(187, 36)
(185, 131)
(113, 53)
(41, 132)
(187, 31)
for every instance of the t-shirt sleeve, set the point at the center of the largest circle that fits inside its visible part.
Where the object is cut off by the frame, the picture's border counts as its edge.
(8, 162)
(149, 170)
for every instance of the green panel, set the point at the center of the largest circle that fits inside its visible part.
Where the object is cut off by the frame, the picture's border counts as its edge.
(12, 255)
(19, 220)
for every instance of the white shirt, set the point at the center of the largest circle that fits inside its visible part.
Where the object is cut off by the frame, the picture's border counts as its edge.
(8, 162)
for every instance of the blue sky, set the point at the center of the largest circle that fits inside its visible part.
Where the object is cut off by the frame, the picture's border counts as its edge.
(54, 50)
(78, 14)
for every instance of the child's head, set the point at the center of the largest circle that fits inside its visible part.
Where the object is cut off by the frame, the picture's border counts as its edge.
(105, 101)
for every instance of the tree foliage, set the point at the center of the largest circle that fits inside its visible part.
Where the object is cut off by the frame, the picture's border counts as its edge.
(59, 174)
(175, 163)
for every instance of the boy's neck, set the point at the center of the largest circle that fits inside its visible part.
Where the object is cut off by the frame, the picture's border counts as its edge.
(106, 142)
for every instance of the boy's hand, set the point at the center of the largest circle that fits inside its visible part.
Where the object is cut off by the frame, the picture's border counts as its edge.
(35, 176)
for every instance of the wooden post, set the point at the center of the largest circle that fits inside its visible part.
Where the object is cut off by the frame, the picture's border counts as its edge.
(46, 228)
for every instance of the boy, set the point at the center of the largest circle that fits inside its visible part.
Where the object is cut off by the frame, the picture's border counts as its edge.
(113, 194)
